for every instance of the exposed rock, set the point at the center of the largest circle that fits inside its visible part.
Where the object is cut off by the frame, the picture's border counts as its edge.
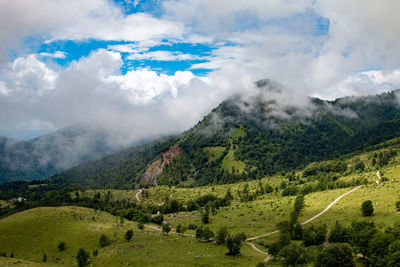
(154, 169)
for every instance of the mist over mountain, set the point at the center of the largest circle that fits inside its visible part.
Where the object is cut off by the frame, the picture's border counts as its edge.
(248, 136)
(49, 154)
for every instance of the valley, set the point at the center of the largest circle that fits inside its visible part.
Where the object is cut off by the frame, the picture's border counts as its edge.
(218, 195)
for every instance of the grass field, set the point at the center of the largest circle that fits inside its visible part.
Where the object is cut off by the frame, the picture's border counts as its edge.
(31, 233)
(214, 152)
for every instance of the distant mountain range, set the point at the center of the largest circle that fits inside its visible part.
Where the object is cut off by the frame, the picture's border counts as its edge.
(52, 153)
(248, 137)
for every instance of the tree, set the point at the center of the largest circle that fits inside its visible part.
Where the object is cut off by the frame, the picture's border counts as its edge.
(128, 235)
(222, 234)
(205, 218)
(140, 226)
(367, 208)
(275, 248)
(309, 236)
(297, 232)
(61, 246)
(362, 233)
(234, 243)
(337, 254)
(44, 258)
(82, 257)
(379, 248)
(104, 241)
(158, 219)
(320, 234)
(398, 205)
(208, 234)
(166, 228)
(293, 255)
(180, 229)
(339, 234)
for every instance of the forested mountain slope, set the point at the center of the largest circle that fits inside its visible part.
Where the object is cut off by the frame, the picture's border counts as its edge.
(250, 137)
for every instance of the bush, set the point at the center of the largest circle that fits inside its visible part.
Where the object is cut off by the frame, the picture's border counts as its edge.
(128, 235)
(398, 206)
(338, 254)
(222, 235)
(192, 226)
(61, 246)
(104, 241)
(205, 218)
(367, 208)
(166, 228)
(82, 257)
(293, 255)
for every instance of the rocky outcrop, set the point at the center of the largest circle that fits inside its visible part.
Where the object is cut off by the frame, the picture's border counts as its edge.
(154, 169)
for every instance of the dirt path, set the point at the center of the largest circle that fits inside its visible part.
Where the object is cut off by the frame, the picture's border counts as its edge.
(330, 205)
(313, 218)
(379, 177)
(138, 194)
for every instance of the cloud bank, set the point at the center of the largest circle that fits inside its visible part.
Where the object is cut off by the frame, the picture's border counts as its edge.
(318, 48)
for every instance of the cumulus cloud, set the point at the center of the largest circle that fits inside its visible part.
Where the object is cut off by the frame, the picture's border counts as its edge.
(78, 20)
(164, 56)
(129, 107)
(249, 40)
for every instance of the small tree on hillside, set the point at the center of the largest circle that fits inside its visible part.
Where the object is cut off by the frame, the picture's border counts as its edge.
(222, 234)
(104, 241)
(367, 208)
(205, 218)
(61, 246)
(166, 228)
(82, 257)
(140, 226)
(398, 206)
(180, 229)
(128, 235)
(234, 243)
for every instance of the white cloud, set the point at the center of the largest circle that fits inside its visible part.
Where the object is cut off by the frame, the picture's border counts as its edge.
(363, 83)
(57, 54)
(164, 56)
(27, 76)
(131, 106)
(78, 20)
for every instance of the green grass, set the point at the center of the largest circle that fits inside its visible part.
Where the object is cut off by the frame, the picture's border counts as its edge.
(173, 250)
(214, 152)
(31, 233)
(229, 163)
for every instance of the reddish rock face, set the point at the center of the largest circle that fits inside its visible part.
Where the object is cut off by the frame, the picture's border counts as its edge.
(154, 169)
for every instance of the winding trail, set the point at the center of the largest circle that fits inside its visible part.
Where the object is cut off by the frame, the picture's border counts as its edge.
(379, 177)
(138, 194)
(313, 218)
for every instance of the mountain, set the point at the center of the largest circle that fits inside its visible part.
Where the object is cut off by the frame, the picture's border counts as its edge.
(248, 137)
(49, 154)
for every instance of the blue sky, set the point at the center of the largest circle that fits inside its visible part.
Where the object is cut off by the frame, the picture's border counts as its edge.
(152, 67)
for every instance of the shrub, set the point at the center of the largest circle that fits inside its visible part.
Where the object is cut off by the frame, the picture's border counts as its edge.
(104, 241)
(367, 208)
(61, 246)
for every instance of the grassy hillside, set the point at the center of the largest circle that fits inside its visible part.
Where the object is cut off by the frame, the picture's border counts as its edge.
(31, 233)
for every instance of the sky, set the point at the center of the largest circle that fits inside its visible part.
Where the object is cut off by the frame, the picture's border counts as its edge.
(145, 68)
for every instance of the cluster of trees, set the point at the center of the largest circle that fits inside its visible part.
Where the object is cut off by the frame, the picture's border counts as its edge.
(223, 237)
(324, 183)
(383, 158)
(375, 247)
